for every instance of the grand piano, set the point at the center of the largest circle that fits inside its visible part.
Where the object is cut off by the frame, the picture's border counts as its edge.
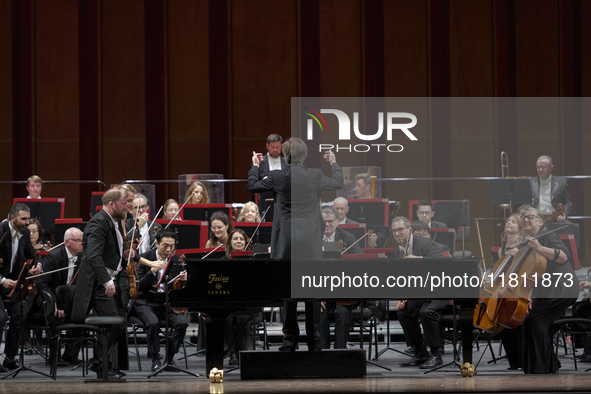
(218, 288)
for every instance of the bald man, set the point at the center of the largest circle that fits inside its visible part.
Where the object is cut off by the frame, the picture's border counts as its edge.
(342, 206)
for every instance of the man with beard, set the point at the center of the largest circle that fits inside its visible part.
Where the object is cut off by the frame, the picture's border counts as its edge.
(99, 283)
(15, 250)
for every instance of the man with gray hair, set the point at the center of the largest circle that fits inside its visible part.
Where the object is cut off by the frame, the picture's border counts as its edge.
(548, 191)
(334, 234)
(145, 233)
(68, 255)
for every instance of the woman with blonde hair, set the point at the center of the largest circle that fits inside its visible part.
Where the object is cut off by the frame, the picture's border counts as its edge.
(198, 194)
(250, 213)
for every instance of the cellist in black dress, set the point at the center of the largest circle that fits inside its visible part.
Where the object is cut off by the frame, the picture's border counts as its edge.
(548, 302)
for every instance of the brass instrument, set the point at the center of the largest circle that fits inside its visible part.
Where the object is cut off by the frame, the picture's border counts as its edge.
(505, 167)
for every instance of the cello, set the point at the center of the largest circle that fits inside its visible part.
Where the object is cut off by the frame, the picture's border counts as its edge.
(509, 304)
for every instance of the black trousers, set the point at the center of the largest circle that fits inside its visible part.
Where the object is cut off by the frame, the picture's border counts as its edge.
(108, 306)
(342, 325)
(428, 312)
(12, 309)
(291, 330)
(151, 315)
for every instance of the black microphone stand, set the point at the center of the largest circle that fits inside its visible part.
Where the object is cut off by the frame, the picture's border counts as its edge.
(167, 336)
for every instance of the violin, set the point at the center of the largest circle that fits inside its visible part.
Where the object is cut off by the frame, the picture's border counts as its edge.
(178, 284)
(131, 272)
(29, 283)
(508, 305)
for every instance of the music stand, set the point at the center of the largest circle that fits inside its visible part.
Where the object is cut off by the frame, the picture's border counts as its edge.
(46, 210)
(19, 289)
(166, 366)
(513, 191)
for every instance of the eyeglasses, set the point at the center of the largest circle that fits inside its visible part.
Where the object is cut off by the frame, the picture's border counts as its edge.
(74, 240)
(330, 221)
(141, 208)
(529, 217)
(34, 231)
(399, 230)
(217, 228)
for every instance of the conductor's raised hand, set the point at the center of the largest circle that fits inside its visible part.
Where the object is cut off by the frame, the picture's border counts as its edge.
(256, 158)
(330, 157)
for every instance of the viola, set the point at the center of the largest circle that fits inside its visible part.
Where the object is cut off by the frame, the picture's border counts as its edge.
(29, 283)
(131, 272)
(507, 306)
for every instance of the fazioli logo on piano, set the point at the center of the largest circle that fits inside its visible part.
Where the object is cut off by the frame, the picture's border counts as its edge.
(213, 278)
(217, 281)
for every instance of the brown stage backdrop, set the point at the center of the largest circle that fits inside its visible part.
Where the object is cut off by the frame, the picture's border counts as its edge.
(116, 90)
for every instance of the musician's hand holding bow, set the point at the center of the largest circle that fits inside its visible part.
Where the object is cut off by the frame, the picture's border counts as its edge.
(143, 219)
(534, 244)
(126, 253)
(36, 270)
(561, 218)
(183, 276)
(400, 304)
(156, 265)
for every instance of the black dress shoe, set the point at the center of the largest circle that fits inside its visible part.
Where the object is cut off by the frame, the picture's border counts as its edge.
(156, 365)
(119, 372)
(10, 363)
(410, 350)
(62, 363)
(93, 365)
(415, 361)
(286, 349)
(433, 362)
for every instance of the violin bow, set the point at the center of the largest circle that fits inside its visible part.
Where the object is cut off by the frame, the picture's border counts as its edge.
(58, 245)
(540, 236)
(216, 248)
(257, 229)
(50, 272)
(345, 251)
(137, 210)
(483, 265)
(154, 220)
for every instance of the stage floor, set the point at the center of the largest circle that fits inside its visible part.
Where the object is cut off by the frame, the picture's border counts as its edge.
(489, 378)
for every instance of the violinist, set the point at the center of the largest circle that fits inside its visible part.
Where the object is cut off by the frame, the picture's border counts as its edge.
(67, 255)
(171, 209)
(250, 213)
(37, 235)
(412, 311)
(150, 307)
(15, 250)
(145, 232)
(548, 302)
(334, 234)
(219, 227)
(198, 194)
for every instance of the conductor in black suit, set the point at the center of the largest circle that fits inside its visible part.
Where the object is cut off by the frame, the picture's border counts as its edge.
(297, 194)
(548, 191)
(150, 306)
(425, 214)
(409, 312)
(272, 161)
(15, 250)
(69, 256)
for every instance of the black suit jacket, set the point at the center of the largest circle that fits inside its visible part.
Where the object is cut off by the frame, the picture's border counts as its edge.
(101, 251)
(148, 279)
(558, 192)
(348, 240)
(263, 172)
(296, 207)
(421, 247)
(438, 224)
(25, 252)
(56, 259)
(349, 221)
